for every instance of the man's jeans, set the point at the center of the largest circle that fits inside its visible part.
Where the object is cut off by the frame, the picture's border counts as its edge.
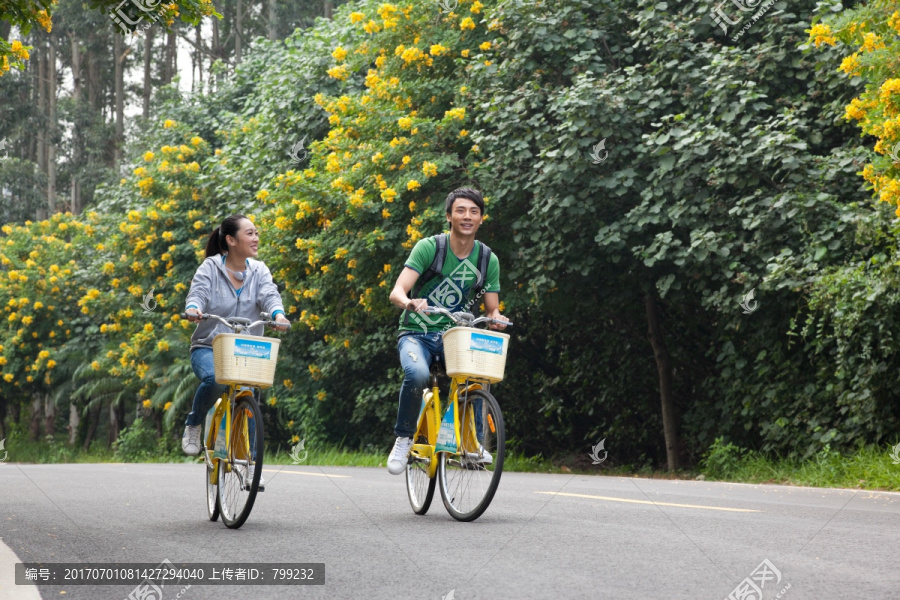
(417, 350)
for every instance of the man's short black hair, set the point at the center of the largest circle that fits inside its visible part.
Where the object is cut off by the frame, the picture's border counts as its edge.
(468, 193)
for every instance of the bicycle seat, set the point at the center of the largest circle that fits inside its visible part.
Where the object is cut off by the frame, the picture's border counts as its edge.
(239, 320)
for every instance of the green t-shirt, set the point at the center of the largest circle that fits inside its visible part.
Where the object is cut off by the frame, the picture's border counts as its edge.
(451, 292)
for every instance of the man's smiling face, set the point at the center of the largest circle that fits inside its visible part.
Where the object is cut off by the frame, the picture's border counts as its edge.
(465, 217)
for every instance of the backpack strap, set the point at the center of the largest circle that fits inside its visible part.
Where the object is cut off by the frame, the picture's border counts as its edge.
(434, 269)
(484, 259)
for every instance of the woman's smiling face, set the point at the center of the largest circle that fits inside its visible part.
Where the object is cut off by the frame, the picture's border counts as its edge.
(246, 240)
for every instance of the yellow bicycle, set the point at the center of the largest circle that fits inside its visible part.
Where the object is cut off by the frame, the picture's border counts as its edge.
(234, 442)
(461, 445)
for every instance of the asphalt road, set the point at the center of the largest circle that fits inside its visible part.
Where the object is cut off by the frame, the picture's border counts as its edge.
(544, 536)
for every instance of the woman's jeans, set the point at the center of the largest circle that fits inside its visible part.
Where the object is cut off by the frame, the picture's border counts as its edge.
(209, 391)
(417, 350)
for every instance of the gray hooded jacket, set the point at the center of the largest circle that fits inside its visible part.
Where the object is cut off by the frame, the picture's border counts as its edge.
(211, 292)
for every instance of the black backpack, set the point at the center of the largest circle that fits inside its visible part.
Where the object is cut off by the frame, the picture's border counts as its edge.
(437, 266)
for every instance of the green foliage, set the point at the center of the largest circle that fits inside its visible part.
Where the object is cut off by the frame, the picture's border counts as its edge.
(722, 460)
(728, 170)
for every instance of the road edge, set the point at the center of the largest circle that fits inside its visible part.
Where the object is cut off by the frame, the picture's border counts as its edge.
(8, 588)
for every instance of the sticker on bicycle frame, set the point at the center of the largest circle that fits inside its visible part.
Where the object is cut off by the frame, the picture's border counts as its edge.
(253, 349)
(446, 437)
(486, 343)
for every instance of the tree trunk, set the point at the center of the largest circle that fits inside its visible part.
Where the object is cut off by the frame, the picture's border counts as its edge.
(328, 9)
(273, 21)
(93, 420)
(3, 402)
(216, 50)
(37, 411)
(74, 422)
(171, 66)
(51, 127)
(75, 201)
(15, 411)
(38, 56)
(199, 58)
(148, 71)
(664, 370)
(49, 415)
(120, 99)
(115, 423)
(237, 35)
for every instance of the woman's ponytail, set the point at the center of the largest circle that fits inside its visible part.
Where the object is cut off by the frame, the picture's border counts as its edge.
(212, 244)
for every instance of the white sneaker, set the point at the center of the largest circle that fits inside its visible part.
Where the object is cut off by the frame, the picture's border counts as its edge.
(396, 463)
(249, 480)
(190, 441)
(482, 457)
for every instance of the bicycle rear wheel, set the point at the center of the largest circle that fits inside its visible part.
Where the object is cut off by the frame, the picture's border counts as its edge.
(239, 474)
(469, 479)
(419, 486)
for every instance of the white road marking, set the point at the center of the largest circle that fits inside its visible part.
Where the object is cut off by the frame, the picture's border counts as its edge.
(305, 473)
(610, 498)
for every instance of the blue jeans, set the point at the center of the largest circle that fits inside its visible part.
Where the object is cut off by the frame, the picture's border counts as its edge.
(417, 351)
(209, 391)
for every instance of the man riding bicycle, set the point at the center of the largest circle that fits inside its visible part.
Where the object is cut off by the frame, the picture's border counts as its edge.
(453, 271)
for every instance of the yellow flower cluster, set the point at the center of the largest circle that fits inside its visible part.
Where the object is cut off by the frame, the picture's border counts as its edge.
(821, 34)
(19, 50)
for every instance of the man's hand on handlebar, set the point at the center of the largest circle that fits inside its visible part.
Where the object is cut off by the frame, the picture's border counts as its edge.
(417, 304)
(495, 314)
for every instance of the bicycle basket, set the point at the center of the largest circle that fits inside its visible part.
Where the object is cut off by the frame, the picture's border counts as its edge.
(475, 353)
(245, 359)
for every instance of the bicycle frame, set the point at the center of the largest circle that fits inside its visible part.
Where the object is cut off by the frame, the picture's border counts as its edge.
(432, 416)
(224, 410)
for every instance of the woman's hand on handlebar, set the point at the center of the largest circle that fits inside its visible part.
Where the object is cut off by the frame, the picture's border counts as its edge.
(193, 315)
(281, 323)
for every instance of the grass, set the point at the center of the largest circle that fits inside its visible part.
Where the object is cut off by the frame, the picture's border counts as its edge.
(871, 467)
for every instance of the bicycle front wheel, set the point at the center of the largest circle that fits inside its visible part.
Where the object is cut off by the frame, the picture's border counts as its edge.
(240, 472)
(212, 495)
(469, 478)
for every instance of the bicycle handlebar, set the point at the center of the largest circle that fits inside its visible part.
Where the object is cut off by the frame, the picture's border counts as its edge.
(239, 324)
(464, 318)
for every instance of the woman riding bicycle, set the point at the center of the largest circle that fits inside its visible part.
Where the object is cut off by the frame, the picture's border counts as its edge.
(229, 283)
